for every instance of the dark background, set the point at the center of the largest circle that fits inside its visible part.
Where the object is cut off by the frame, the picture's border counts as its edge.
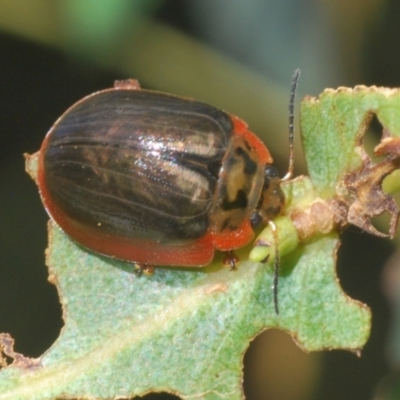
(334, 45)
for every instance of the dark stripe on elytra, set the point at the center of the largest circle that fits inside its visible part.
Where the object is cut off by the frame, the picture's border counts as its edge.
(239, 202)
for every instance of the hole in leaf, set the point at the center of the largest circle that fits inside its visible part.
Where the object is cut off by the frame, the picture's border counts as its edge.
(361, 258)
(5, 361)
(38, 322)
(382, 222)
(270, 360)
(372, 137)
(391, 185)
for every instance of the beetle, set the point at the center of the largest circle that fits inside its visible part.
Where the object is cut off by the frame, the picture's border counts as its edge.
(156, 179)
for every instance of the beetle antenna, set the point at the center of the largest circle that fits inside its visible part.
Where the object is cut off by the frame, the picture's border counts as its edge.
(277, 263)
(289, 174)
(295, 81)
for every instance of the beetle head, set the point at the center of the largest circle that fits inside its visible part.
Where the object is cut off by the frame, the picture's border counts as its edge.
(272, 198)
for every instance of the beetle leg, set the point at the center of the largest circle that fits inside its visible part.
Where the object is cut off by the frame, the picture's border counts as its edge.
(145, 269)
(230, 259)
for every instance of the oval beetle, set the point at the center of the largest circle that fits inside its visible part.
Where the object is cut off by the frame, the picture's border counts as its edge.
(156, 179)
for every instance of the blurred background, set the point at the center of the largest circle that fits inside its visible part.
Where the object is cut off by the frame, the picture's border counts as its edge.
(239, 56)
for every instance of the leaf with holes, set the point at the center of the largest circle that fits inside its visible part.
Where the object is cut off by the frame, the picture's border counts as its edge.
(185, 331)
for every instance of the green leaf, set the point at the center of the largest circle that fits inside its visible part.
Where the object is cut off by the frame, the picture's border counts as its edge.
(185, 331)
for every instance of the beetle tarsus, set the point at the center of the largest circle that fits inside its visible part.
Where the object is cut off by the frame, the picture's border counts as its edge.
(231, 259)
(143, 269)
(138, 268)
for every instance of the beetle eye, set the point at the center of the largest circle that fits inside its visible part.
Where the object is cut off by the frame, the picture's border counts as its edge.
(255, 219)
(270, 171)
